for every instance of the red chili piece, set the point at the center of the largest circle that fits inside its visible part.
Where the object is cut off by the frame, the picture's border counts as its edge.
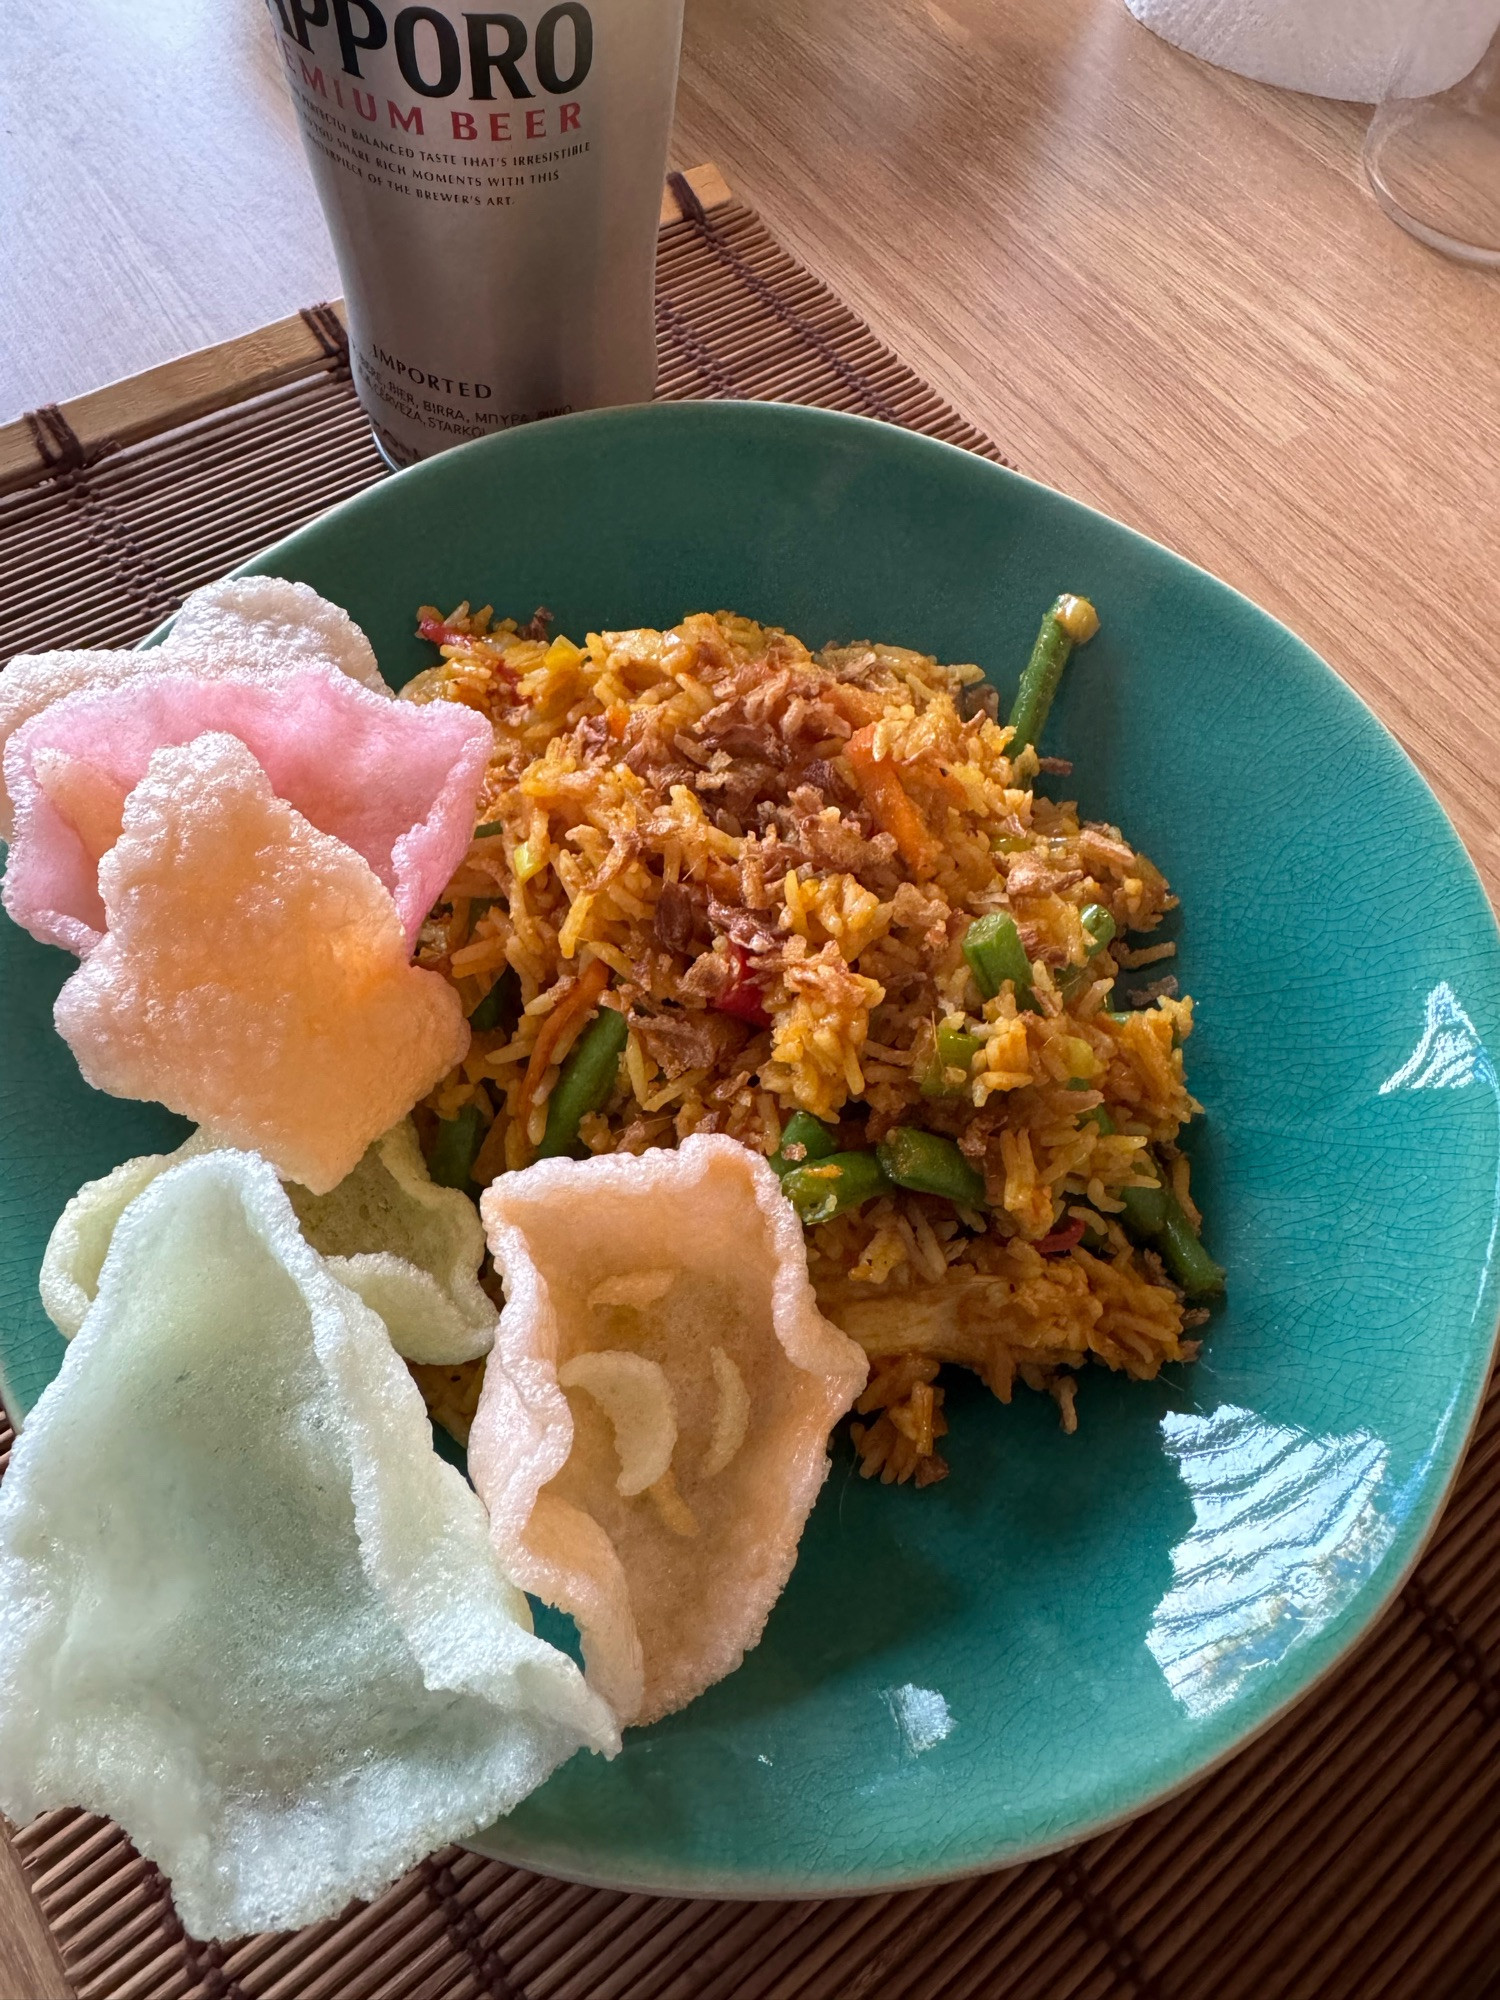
(1061, 1239)
(742, 996)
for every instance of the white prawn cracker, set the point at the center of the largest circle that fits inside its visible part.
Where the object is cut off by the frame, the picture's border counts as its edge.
(259, 625)
(409, 1248)
(653, 1428)
(82, 1234)
(245, 1609)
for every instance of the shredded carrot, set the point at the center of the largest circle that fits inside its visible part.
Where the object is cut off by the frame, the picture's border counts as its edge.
(571, 1009)
(886, 796)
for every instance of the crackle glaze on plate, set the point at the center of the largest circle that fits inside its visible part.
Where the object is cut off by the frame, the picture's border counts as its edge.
(1068, 1628)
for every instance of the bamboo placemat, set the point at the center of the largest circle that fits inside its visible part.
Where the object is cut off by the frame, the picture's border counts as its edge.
(1350, 1852)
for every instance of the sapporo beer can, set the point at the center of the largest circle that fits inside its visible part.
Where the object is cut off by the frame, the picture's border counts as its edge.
(492, 184)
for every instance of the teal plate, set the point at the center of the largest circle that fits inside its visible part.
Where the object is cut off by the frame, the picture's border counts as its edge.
(1068, 1628)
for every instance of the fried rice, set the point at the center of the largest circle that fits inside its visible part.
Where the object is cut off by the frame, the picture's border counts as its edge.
(674, 824)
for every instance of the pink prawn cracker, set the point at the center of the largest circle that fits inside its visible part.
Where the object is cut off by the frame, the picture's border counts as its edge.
(394, 782)
(262, 626)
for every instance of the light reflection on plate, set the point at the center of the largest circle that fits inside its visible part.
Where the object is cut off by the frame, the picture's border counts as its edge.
(1286, 1526)
(922, 1716)
(1450, 1053)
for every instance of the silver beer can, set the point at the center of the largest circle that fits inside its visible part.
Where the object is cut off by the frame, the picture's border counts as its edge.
(491, 183)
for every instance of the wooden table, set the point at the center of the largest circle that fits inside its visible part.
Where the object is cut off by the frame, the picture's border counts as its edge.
(1158, 287)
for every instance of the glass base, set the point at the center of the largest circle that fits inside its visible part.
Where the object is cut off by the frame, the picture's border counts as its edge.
(1433, 164)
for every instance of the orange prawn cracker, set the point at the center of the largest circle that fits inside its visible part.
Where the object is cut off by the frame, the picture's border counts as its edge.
(254, 975)
(653, 1428)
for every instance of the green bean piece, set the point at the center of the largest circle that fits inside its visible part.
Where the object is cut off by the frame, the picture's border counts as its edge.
(930, 1164)
(993, 947)
(490, 828)
(811, 1134)
(1145, 1209)
(1071, 622)
(502, 1000)
(1100, 925)
(955, 1049)
(456, 1148)
(1156, 1214)
(584, 1082)
(1186, 1258)
(824, 1188)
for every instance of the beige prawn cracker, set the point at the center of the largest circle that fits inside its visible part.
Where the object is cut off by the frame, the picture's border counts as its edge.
(653, 1428)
